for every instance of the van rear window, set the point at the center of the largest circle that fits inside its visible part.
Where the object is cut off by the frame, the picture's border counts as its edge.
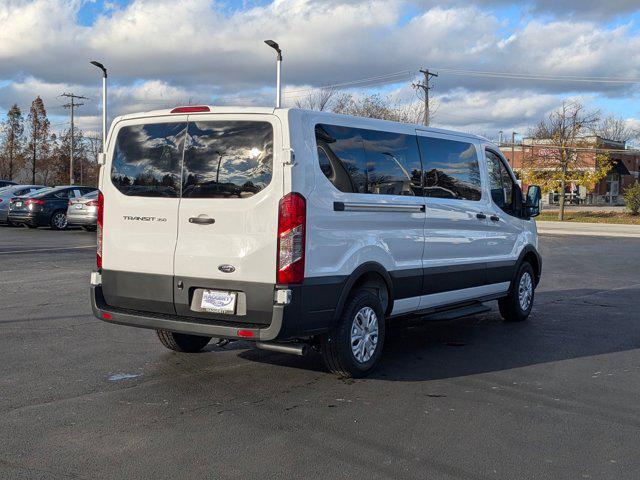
(230, 159)
(147, 159)
(221, 159)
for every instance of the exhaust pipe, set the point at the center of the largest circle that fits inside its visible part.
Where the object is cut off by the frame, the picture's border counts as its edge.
(299, 349)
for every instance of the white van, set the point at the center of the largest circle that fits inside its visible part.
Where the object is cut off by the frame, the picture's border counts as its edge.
(297, 229)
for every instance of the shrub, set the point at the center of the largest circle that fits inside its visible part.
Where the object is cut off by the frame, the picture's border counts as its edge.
(632, 198)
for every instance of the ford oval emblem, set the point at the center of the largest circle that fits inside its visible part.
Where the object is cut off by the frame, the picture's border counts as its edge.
(227, 268)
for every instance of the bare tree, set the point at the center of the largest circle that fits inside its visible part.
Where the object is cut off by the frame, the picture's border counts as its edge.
(562, 154)
(319, 99)
(376, 106)
(616, 129)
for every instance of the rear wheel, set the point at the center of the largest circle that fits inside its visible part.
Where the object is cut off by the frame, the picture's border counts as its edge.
(58, 220)
(517, 306)
(182, 342)
(354, 346)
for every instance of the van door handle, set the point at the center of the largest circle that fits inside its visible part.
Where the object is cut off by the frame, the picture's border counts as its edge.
(495, 218)
(202, 220)
(481, 216)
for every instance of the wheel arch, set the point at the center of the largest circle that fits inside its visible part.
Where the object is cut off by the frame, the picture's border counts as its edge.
(529, 254)
(368, 273)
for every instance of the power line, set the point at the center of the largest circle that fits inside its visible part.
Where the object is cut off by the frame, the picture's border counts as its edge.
(527, 76)
(394, 77)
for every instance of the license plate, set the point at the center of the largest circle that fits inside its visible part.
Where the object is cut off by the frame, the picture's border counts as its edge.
(217, 301)
(79, 206)
(18, 204)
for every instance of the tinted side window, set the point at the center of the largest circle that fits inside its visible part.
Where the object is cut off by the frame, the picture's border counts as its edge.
(500, 183)
(393, 163)
(451, 169)
(369, 161)
(147, 160)
(495, 180)
(227, 159)
(344, 162)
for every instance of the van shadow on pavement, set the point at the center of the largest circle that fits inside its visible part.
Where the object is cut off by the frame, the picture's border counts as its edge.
(563, 325)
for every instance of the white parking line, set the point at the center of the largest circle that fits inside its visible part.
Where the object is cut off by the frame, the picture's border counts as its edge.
(47, 249)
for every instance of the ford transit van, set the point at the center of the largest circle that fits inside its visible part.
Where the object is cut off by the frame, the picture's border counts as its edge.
(299, 229)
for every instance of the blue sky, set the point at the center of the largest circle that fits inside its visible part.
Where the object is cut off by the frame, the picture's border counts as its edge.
(166, 52)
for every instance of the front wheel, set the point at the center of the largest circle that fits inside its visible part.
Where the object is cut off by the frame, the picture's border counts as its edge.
(58, 220)
(517, 306)
(354, 346)
(182, 342)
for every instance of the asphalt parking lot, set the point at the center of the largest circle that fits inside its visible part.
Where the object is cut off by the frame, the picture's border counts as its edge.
(556, 397)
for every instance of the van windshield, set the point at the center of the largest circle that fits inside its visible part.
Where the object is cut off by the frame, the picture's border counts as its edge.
(205, 159)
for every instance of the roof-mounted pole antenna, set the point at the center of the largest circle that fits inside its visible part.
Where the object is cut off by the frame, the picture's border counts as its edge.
(275, 46)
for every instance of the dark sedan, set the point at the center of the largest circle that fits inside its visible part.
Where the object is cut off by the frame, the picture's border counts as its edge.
(47, 208)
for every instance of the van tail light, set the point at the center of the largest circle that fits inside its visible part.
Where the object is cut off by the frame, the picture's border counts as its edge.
(292, 213)
(99, 230)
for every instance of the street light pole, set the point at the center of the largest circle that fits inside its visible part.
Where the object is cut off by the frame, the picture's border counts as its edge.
(104, 103)
(276, 47)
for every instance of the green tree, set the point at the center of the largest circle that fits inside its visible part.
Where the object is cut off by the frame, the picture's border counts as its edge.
(12, 143)
(38, 147)
(632, 198)
(563, 154)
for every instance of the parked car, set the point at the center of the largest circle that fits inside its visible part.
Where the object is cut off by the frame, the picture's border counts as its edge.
(6, 183)
(45, 208)
(83, 211)
(370, 220)
(8, 192)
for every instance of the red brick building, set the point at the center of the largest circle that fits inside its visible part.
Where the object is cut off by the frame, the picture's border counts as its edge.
(624, 172)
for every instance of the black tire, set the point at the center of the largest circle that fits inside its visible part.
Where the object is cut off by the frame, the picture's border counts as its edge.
(182, 342)
(53, 220)
(511, 307)
(89, 228)
(336, 346)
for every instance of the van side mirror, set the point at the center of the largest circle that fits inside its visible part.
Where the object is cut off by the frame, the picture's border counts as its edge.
(532, 204)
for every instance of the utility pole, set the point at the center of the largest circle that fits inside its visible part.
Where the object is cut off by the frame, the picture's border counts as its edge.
(72, 105)
(513, 149)
(425, 87)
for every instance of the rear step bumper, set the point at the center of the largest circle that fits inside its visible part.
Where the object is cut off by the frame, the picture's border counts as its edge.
(174, 323)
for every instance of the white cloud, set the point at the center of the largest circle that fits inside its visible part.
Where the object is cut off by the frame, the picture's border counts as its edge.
(163, 52)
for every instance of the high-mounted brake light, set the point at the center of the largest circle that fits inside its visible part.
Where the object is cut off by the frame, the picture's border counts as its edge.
(193, 109)
(292, 213)
(99, 230)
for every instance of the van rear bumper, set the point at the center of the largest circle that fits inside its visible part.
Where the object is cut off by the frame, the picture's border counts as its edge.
(189, 325)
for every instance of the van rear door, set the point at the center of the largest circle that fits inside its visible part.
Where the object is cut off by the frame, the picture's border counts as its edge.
(142, 197)
(228, 216)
